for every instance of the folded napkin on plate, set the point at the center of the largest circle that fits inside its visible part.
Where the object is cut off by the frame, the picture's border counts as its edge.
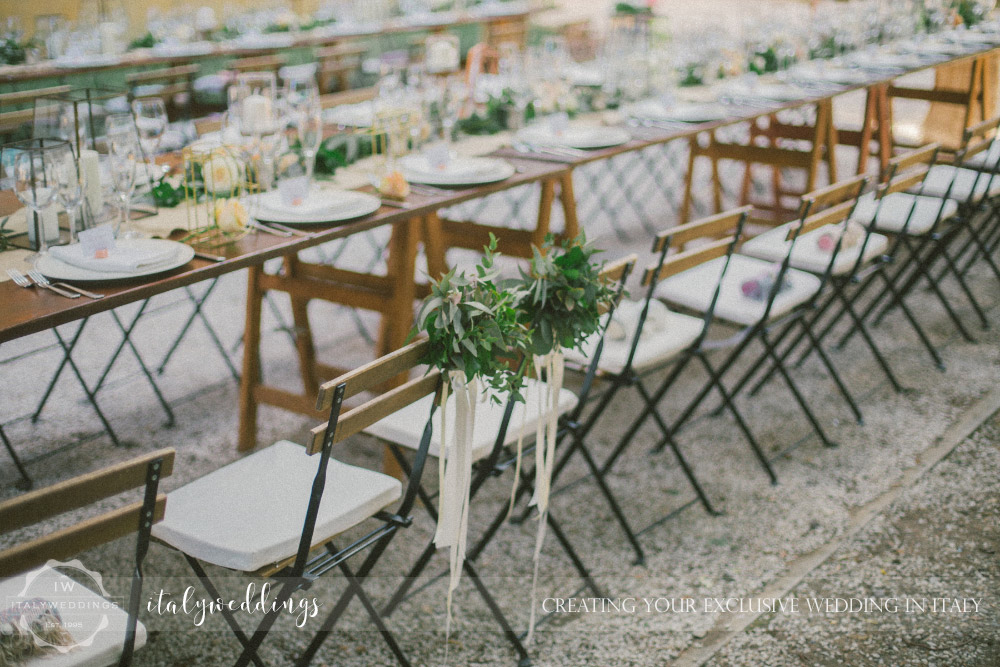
(122, 259)
(456, 167)
(316, 203)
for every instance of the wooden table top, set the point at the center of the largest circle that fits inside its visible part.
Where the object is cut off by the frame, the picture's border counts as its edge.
(26, 311)
(148, 57)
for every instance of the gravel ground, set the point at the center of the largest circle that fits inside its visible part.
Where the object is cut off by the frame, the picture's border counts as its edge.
(939, 540)
(765, 528)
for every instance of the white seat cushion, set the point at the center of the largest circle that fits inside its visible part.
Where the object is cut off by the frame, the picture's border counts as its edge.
(988, 159)
(896, 210)
(82, 612)
(249, 514)
(772, 245)
(664, 335)
(961, 181)
(405, 427)
(694, 288)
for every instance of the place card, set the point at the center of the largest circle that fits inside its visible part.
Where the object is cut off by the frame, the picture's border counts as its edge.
(97, 242)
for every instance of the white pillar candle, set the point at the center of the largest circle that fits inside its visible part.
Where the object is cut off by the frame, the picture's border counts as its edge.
(48, 222)
(90, 172)
(256, 113)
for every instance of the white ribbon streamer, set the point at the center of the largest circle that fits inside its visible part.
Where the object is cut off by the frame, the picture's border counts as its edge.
(455, 474)
(546, 433)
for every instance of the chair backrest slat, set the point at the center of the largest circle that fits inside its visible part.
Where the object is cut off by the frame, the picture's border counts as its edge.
(77, 538)
(373, 374)
(689, 259)
(836, 193)
(922, 155)
(77, 492)
(710, 227)
(363, 416)
(830, 216)
(983, 129)
(615, 270)
(163, 74)
(347, 97)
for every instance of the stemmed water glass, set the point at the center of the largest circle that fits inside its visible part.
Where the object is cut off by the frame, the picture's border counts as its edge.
(69, 189)
(34, 185)
(151, 122)
(123, 155)
(310, 130)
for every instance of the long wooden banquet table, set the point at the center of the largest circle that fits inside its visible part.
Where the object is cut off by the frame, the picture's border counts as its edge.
(26, 312)
(317, 37)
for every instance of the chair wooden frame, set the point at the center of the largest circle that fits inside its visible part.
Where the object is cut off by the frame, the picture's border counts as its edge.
(298, 572)
(822, 137)
(496, 464)
(176, 81)
(36, 506)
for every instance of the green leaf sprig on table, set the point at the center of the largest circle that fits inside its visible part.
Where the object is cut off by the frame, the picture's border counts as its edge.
(147, 41)
(474, 326)
(563, 295)
(495, 116)
(13, 52)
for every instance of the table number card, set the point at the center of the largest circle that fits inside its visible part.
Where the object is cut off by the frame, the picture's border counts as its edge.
(97, 242)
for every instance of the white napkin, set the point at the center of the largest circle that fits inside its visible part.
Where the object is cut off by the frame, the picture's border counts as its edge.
(456, 168)
(121, 259)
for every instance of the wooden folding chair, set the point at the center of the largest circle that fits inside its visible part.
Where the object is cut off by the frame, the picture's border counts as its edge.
(173, 85)
(222, 520)
(768, 145)
(497, 431)
(17, 109)
(271, 62)
(337, 64)
(840, 267)
(652, 339)
(941, 205)
(100, 632)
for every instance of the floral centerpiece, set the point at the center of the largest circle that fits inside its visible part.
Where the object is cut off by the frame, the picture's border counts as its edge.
(216, 188)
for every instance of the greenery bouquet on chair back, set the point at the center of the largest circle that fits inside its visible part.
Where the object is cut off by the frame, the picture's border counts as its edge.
(563, 297)
(475, 333)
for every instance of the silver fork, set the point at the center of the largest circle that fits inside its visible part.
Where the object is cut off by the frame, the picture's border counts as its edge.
(45, 285)
(42, 280)
(18, 278)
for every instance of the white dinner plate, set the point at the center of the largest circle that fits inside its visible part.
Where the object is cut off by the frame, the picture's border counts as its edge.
(684, 112)
(779, 92)
(460, 171)
(582, 137)
(324, 205)
(54, 269)
(351, 115)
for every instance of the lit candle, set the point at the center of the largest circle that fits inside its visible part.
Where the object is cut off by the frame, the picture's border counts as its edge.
(91, 175)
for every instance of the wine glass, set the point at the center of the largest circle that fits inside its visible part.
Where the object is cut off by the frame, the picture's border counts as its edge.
(123, 157)
(310, 130)
(69, 189)
(150, 121)
(301, 93)
(34, 185)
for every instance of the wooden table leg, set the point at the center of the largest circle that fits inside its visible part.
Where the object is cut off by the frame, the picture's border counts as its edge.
(571, 228)
(401, 270)
(434, 246)
(303, 334)
(250, 377)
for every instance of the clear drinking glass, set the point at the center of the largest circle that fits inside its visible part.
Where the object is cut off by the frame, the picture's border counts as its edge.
(151, 122)
(123, 159)
(310, 129)
(34, 185)
(69, 189)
